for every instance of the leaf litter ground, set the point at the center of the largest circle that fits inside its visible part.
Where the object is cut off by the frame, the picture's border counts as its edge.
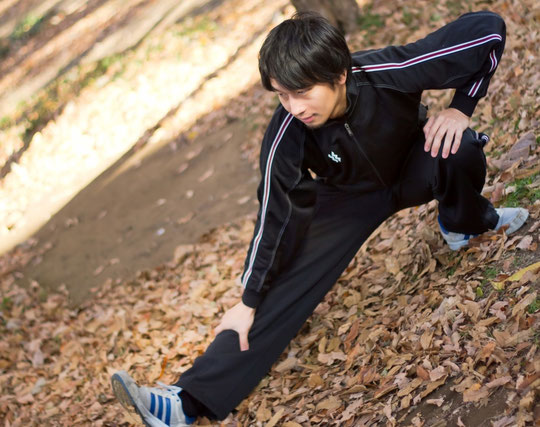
(412, 333)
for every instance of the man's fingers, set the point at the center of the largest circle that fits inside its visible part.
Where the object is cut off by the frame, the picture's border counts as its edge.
(435, 135)
(244, 344)
(428, 134)
(448, 140)
(436, 143)
(457, 142)
(444, 131)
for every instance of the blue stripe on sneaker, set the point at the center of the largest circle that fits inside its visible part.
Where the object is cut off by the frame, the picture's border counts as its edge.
(152, 403)
(160, 407)
(443, 229)
(168, 411)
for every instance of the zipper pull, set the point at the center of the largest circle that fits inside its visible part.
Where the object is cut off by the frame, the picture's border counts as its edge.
(349, 131)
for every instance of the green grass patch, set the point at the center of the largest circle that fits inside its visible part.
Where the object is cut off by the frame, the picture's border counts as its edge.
(523, 191)
(27, 27)
(451, 271)
(458, 7)
(407, 17)
(194, 27)
(495, 153)
(6, 122)
(534, 306)
(486, 288)
(490, 273)
(368, 20)
(6, 304)
(4, 48)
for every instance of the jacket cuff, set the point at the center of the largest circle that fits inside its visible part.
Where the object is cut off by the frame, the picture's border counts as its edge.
(464, 103)
(251, 298)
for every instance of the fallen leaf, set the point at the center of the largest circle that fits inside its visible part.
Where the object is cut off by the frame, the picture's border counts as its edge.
(422, 373)
(499, 381)
(437, 402)
(525, 243)
(517, 276)
(330, 404)
(475, 393)
(275, 419)
(392, 265)
(351, 410)
(425, 339)
(437, 373)
(243, 200)
(315, 380)
(186, 218)
(522, 305)
(330, 358)
(288, 364)
(263, 413)
(387, 411)
(206, 175)
(486, 351)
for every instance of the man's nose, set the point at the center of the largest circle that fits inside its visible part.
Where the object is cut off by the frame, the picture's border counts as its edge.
(297, 107)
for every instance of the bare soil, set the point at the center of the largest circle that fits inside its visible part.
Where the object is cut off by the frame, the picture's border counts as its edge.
(132, 219)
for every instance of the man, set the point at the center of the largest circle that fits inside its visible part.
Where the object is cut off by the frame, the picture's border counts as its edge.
(355, 124)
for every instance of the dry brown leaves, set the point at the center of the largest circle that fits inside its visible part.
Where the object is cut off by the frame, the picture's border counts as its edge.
(407, 317)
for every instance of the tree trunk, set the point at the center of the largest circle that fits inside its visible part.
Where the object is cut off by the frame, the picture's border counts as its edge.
(343, 14)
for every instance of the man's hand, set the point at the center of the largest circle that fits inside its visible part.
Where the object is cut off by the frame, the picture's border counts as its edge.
(238, 318)
(448, 124)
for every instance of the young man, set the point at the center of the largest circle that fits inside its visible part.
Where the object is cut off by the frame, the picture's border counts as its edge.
(358, 125)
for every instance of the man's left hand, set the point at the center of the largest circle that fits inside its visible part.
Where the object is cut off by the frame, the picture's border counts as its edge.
(448, 124)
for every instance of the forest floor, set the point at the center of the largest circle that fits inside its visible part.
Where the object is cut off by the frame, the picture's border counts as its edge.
(128, 169)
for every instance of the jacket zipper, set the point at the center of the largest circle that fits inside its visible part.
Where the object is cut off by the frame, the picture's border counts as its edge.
(351, 134)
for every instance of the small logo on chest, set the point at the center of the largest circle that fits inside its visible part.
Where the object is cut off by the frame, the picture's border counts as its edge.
(335, 157)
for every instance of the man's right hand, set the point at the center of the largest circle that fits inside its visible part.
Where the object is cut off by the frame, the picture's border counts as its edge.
(238, 318)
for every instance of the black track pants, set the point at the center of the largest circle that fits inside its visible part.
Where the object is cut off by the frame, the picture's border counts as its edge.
(223, 376)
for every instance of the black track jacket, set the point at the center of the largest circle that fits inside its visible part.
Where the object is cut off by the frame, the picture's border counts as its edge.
(364, 150)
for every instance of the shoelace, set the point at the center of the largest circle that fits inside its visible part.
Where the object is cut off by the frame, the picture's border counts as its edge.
(170, 388)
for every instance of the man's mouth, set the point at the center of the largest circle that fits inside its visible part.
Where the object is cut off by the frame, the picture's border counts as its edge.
(308, 119)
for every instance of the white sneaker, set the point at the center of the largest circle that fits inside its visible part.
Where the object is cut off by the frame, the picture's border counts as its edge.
(157, 406)
(511, 218)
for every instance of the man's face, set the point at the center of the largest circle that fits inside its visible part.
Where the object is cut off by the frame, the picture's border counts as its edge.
(316, 104)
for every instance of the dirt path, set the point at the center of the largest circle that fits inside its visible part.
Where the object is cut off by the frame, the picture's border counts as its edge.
(134, 219)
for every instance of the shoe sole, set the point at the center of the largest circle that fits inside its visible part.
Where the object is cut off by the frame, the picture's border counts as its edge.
(124, 396)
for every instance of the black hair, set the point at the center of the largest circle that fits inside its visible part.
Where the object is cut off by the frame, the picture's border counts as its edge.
(303, 51)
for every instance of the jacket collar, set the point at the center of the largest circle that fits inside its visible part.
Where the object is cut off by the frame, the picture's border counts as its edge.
(352, 93)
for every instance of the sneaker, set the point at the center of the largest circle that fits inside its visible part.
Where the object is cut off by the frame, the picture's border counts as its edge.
(511, 218)
(157, 406)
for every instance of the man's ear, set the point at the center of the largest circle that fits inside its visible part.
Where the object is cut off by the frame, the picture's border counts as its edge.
(343, 77)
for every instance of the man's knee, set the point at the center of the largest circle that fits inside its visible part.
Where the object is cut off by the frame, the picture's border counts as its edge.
(470, 154)
(466, 167)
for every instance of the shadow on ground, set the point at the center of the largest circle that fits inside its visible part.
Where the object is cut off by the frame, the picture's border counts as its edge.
(134, 215)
